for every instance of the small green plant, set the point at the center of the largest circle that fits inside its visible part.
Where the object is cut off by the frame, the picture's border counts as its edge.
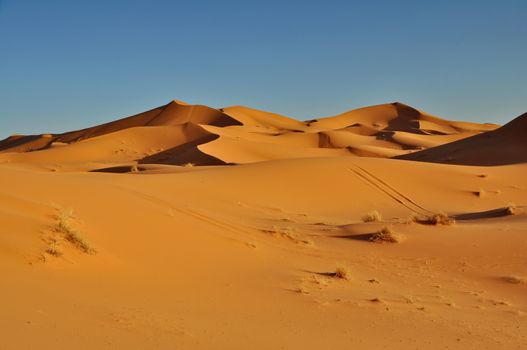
(372, 216)
(385, 235)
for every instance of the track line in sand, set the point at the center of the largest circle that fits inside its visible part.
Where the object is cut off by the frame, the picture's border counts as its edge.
(192, 213)
(245, 231)
(388, 190)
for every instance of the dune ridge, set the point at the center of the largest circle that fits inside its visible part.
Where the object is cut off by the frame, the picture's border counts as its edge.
(178, 133)
(505, 145)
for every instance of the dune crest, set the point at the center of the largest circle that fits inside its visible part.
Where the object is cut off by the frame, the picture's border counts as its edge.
(505, 145)
(178, 133)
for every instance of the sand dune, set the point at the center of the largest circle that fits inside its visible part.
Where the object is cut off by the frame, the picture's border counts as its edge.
(312, 237)
(505, 145)
(178, 133)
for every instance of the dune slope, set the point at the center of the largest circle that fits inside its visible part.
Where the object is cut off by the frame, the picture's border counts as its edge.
(505, 145)
(235, 257)
(205, 136)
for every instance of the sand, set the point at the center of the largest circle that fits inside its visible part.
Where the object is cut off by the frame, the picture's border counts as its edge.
(188, 227)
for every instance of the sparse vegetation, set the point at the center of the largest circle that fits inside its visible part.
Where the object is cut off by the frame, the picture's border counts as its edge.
(134, 168)
(434, 219)
(54, 251)
(189, 165)
(372, 216)
(385, 235)
(342, 272)
(77, 240)
(70, 234)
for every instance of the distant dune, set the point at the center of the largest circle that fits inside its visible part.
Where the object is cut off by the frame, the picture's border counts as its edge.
(505, 145)
(178, 133)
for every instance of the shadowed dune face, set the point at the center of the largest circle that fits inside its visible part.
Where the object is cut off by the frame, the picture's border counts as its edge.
(173, 113)
(20, 143)
(178, 133)
(407, 119)
(187, 153)
(506, 145)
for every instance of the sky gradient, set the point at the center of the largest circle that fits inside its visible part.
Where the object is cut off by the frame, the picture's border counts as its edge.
(66, 65)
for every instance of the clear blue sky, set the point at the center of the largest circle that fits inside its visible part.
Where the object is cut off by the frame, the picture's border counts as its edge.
(69, 64)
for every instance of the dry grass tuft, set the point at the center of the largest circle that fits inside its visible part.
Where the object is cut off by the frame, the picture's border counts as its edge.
(54, 251)
(189, 165)
(372, 216)
(385, 235)
(134, 168)
(70, 234)
(435, 219)
(342, 272)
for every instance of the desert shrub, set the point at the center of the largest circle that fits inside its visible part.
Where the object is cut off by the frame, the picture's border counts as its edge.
(385, 235)
(342, 272)
(372, 216)
(70, 234)
(54, 251)
(435, 219)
